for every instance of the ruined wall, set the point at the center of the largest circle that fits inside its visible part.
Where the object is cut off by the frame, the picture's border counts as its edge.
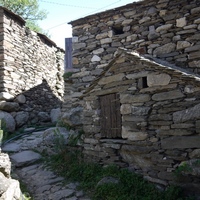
(31, 70)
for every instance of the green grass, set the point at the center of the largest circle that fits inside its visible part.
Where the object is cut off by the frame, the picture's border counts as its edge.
(130, 186)
(25, 192)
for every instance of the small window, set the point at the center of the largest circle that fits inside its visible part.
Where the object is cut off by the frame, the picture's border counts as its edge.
(118, 30)
(110, 118)
(144, 82)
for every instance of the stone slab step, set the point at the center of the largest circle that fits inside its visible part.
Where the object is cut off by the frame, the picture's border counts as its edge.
(25, 158)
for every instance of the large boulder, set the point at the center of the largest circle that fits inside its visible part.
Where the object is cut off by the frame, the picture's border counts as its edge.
(54, 139)
(21, 99)
(9, 121)
(9, 106)
(52, 134)
(73, 117)
(55, 115)
(21, 118)
(44, 117)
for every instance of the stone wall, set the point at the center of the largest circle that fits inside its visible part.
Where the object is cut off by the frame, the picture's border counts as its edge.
(31, 71)
(160, 121)
(166, 29)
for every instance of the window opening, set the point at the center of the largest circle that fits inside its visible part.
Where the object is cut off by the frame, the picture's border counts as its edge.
(144, 82)
(118, 30)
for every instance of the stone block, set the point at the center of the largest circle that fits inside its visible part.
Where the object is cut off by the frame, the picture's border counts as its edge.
(125, 109)
(156, 180)
(174, 94)
(181, 142)
(157, 117)
(106, 41)
(175, 132)
(181, 22)
(158, 79)
(164, 27)
(95, 58)
(140, 111)
(110, 79)
(133, 136)
(192, 113)
(25, 158)
(182, 45)
(195, 154)
(165, 49)
(128, 98)
(9, 106)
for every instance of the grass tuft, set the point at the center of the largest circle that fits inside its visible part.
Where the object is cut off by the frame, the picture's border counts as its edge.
(130, 186)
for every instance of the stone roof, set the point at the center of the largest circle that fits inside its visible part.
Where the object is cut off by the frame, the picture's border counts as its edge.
(150, 62)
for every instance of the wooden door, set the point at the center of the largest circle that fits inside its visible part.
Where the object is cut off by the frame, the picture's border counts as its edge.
(110, 118)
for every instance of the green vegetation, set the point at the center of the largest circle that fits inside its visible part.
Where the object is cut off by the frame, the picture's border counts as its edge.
(184, 167)
(67, 75)
(25, 193)
(28, 10)
(4, 134)
(70, 164)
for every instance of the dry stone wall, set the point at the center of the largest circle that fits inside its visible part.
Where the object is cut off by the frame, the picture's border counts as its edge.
(166, 29)
(160, 122)
(160, 131)
(31, 71)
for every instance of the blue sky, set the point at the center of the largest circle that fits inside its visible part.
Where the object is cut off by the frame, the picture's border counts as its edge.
(60, 12)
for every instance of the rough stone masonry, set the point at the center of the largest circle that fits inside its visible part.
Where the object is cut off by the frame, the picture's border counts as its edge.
(159, 102)
(31, 73)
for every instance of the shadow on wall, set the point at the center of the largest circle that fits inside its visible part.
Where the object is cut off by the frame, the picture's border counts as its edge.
(37, 106)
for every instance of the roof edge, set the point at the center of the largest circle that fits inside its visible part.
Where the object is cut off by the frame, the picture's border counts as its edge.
(140, 2)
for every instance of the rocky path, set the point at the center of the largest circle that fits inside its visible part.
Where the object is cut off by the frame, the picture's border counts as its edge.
(42, 183)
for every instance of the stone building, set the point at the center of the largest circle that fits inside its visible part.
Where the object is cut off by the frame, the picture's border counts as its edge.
(139, 109)
(31, 70)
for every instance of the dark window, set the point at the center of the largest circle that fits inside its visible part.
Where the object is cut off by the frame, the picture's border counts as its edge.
(144, 82)
(110, 118)
(118, 30)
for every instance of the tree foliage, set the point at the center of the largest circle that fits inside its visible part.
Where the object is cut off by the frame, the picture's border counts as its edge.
(28, 10)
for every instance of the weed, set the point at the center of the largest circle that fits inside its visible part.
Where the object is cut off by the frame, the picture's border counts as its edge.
(67, 75)
(25, 193)
(184, 167)
(61, 123)
(4, 135)
(131, 186)
(75, 138)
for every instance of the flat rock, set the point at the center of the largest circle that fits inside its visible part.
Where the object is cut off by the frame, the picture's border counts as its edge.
(62, 194)
(11, 147)
(25, 158)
